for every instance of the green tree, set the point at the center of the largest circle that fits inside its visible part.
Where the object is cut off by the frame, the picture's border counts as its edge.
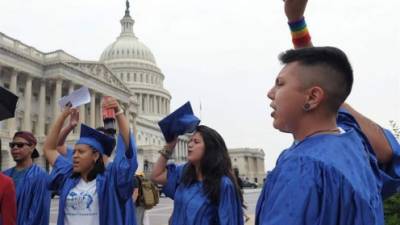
(392, 204)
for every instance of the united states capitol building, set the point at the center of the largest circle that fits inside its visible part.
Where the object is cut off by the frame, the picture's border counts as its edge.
(126, 69)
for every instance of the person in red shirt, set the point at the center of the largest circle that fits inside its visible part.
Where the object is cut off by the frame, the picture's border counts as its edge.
(8, 205)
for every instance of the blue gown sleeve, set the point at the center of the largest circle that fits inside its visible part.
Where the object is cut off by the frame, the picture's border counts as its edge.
(70, 152)
(346, 121)
(62, 170)
(124, 167)
(230, 211)
(292, 196)
(391, 171)
(174, 174)
(39, 212)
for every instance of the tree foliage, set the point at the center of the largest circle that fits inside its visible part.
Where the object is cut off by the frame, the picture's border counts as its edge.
(392, 204)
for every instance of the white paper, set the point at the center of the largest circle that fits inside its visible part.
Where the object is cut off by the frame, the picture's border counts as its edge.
(76, 98)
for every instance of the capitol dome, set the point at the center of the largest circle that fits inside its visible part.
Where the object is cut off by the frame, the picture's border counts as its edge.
(127, 46)
(133, 63)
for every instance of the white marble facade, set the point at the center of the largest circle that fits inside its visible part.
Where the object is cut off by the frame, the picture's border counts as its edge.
(126, 70)
(250, 162)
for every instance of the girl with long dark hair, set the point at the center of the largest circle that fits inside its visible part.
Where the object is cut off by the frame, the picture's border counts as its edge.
(204, 189)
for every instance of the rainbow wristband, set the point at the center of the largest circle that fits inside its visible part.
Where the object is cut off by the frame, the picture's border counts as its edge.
(300, 35)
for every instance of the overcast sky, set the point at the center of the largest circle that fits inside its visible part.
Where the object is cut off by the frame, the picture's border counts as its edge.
(223, 53)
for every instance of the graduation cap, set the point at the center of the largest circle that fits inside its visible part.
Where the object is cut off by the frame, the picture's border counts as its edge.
(8, 102)
(97, 140)
(179, 122)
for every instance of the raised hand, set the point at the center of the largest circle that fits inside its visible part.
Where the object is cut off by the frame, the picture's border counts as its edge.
(294, 9)
(111, 103)
(74, 118)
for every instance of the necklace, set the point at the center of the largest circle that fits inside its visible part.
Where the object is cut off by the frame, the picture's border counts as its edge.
(323, 131)
(326, 131)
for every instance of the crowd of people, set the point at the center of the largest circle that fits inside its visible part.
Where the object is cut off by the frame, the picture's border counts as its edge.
(338, 169)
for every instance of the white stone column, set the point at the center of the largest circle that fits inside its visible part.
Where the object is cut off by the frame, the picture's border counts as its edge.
(13, 88)
(144, 103)
(42, 109)
(150, 104)
(162, 106)
(158, 105)
(57, 96)
(139, 99)
(28, 103)
(99, 115)
(82, 115)
(93, 109)
(184, 150)
(147, 105)
(178, 151)
(167, 107)
(154, 104)
(71, 88)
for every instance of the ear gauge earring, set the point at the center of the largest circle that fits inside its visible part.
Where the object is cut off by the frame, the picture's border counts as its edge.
(306, 107)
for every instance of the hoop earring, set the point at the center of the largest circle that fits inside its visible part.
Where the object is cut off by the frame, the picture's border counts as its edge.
(306, 107)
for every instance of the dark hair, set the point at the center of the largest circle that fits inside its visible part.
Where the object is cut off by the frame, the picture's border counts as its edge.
(98, 168)
(111, 135)
(336, 76)
(214, 165)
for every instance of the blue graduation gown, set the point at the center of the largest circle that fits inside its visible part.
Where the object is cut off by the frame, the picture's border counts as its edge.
(130, 212)
(325, 179)
(388, 175)
(114, 187)
(33, 197)
(192, 207)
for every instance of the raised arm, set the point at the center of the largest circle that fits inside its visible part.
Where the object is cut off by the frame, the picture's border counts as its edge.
(375, 135)
(122, 121)
(159, 172)
(294, 11)
(50, 144)
(73, 122)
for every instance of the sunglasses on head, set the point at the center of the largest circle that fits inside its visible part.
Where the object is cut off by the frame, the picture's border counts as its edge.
(18, 144)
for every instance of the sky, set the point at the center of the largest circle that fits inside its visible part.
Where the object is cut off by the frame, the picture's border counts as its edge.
(223, 54)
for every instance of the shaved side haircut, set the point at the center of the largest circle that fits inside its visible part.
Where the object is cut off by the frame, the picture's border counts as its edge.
(330, 70)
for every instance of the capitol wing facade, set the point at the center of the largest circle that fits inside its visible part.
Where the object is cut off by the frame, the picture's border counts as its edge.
(126, 70)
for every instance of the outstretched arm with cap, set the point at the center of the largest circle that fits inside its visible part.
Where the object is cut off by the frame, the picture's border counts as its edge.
(159, 173)
(50, 144)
